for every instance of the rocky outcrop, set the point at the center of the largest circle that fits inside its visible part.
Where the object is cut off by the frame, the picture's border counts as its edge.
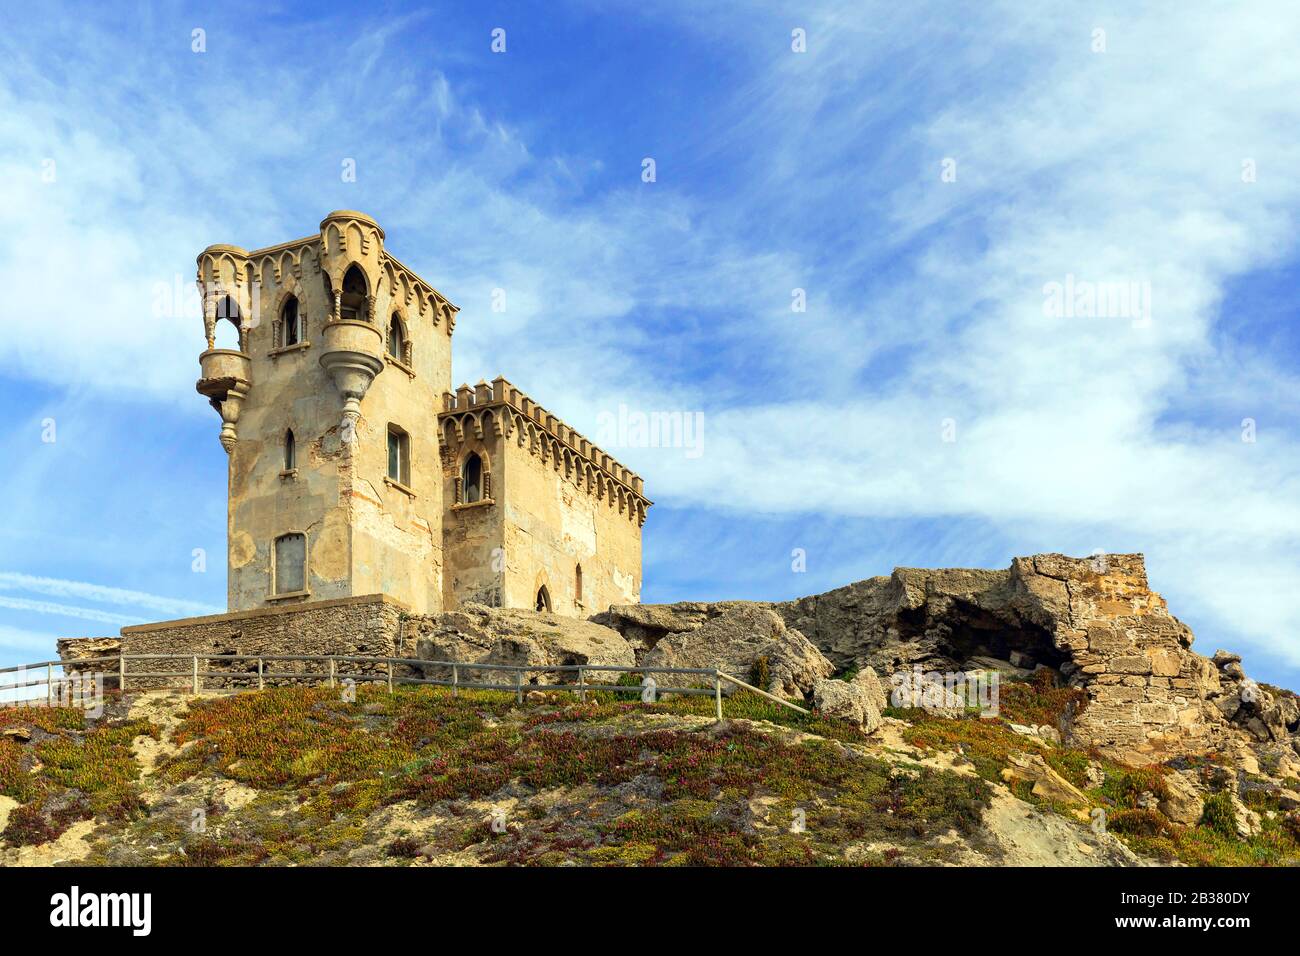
(477, 634)
(740, 640)
(74, 649)
(1094, 621)
(645, 625)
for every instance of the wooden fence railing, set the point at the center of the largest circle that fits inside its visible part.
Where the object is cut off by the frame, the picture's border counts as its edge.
(195, 679)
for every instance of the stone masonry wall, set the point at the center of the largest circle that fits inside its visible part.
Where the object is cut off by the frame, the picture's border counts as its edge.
(370, 625)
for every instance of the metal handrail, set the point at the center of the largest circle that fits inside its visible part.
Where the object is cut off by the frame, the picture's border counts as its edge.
(195, 677)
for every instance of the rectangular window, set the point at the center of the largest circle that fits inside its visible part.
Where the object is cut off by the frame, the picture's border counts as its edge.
(290, 563)
(399, 456)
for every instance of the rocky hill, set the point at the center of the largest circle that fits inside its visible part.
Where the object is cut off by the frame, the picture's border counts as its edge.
(1107, 741)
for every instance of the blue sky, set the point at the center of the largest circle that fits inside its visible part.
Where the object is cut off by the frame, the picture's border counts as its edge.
(1118, 156)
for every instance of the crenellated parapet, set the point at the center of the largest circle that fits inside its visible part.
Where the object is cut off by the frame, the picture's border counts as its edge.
(346, 238)
(357, 291)
(500, 409)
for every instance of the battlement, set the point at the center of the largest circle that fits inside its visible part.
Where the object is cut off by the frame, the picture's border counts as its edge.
(346, 238)
(503, 407)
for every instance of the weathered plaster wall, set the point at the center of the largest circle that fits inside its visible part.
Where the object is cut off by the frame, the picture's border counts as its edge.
(473, 534)
(551, 526)
(364, 534)
(557, 502)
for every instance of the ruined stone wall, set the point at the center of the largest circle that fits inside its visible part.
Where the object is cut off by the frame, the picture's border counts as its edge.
(370, 625)
(1149, 695)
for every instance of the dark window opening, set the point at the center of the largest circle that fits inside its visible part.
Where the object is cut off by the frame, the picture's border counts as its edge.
(290, 451)
(543, 599)
(352, 304)
(289, 322)
(472, 478)
(396, 341)
(227, 309)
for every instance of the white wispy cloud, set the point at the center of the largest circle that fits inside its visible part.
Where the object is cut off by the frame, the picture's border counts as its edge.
(85, 591)
(926, 297)
(70, 610)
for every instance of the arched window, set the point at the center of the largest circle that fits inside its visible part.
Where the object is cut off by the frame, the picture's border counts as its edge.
(289, 570)
(543, 599)
(396, 340)
(290, 451)
(577, 584)
(291, 331)
(228, 309)
(352, 304)
(471, 479)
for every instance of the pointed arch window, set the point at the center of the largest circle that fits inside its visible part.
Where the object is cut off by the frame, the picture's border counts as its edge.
(543, 599)
(352, 302)
(290, 326)
(228, 309)
(577, 584)
(397, 344)
(290, 451)
(471, 479)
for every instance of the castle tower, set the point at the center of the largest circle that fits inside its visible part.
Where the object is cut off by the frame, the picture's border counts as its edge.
(537, 516)
(329, 411)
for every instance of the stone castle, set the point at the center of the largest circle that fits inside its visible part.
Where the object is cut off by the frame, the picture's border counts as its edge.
(356, 470)
(374, 511)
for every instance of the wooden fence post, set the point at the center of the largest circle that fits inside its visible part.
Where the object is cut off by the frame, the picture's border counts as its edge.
(390, 677)
(519, 686)
(196, 673)
(261, 681)
(331, 672)
(582, 684)
(49, 685)
(455, 681)
(121, 673)
(717, 693)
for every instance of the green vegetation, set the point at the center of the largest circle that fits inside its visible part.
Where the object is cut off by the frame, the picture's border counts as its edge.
(692, 788)
(79, 772)
(414, 775)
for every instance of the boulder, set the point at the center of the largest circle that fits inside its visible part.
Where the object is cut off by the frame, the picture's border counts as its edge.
(1047, 783)
(736, 640)
(1183, 802)
(645, 625)
(870, 682)
(846, 700)
(1246, 820)
(926, 691)
(477, 634)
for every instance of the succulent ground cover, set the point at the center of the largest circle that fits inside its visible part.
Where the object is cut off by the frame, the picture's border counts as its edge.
(304, 776)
